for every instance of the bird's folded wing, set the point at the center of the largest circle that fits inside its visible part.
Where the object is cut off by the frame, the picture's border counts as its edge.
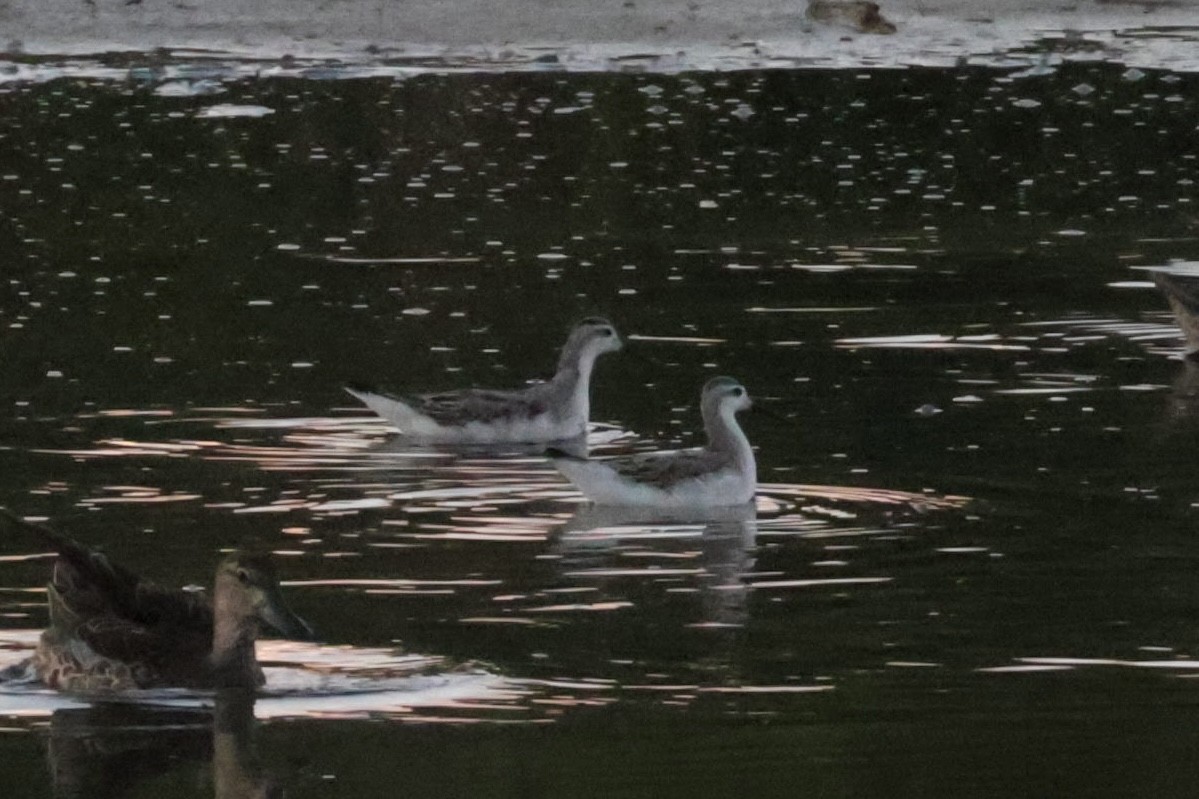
(183, 610)
(129, 642)
(476, 405)
(663, 471)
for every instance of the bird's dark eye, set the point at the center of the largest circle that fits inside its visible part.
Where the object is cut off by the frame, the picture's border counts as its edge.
(738, 392)
(243, 576)
(606, 332)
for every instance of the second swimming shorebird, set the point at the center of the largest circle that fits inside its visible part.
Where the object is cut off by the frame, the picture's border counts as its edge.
(551, 411)
(723, 472)
(111, 630)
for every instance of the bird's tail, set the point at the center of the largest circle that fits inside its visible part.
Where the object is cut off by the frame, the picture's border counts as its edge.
(1180, 289)
(84, 579)
(1183, 296)
(18, 673)
(391, 407)
(13, 524)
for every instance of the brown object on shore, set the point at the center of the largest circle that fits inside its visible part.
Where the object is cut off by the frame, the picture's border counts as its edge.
(861, 15)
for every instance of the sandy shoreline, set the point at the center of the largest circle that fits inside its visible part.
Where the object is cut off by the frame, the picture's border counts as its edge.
(657, 35)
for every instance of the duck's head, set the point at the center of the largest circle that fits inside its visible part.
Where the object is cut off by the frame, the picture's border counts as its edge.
(247, 589)
(724, 393)
(590, 338)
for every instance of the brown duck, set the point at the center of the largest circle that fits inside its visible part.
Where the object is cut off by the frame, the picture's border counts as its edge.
(111, 630)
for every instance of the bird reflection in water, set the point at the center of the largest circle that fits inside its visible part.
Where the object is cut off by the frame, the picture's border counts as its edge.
(109, 749)
(420, 452)
(715, 546)
(237, 771)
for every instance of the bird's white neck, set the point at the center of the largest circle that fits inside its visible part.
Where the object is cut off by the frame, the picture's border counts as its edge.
(727, 437)
(572, 383)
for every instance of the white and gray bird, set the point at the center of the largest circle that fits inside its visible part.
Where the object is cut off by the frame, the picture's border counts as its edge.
(723, 472)
(544, 412)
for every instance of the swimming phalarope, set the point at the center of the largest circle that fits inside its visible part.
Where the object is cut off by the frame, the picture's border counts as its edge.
(721, 473)
(550, 411)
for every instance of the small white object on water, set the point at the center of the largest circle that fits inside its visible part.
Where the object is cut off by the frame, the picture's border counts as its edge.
(226, 110)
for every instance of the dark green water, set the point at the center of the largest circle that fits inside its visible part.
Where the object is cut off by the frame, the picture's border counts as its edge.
(972, 567)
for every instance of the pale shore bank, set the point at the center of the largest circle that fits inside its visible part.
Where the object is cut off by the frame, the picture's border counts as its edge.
(656, 35)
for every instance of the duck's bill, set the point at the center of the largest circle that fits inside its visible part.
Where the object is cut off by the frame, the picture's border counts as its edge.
(280, 618)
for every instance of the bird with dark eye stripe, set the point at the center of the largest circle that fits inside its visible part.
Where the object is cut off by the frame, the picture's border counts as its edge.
(553, 411)
(724, 472)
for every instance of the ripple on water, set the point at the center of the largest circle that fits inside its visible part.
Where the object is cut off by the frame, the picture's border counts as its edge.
(593, 563)
(306, 680)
